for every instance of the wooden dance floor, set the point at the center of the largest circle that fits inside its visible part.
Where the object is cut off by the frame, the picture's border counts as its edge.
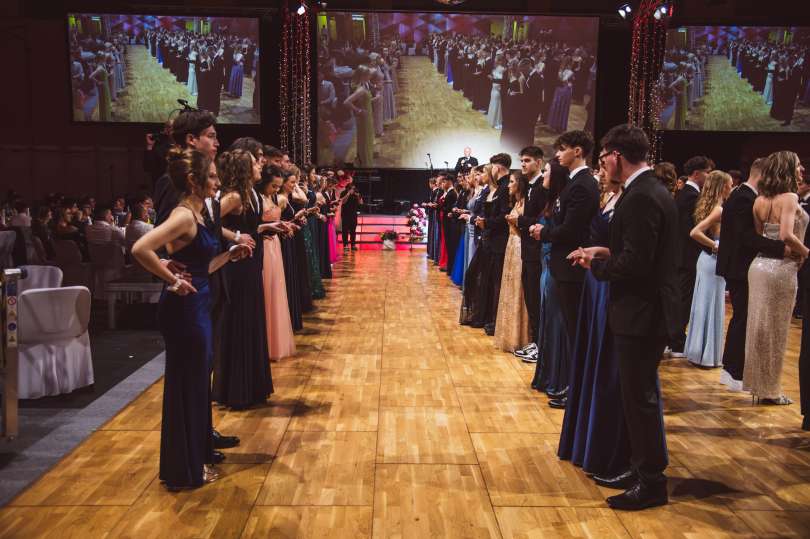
(394, 421)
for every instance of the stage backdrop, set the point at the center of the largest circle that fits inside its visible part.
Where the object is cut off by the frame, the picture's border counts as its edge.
(135, 68)
(736, 78)
(412, 90)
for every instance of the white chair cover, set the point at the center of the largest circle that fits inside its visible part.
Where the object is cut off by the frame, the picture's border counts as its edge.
(40, 277)
(69, 259)
(54, 345)
(7, 239)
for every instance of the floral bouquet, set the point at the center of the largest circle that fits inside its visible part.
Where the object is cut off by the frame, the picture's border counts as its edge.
(417, 223)
(389, 239)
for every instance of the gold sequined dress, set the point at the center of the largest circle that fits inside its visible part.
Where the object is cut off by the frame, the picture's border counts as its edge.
(772, 288)
(512, 321)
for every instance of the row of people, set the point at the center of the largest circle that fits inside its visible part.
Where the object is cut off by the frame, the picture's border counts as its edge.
(586, 284)
(242, 240)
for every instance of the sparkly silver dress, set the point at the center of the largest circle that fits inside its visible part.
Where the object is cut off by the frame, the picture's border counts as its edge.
(771, 293)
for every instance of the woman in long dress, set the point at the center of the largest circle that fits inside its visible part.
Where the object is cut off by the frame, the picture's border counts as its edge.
(457, 271)
(767, 93)
(186, 442)
(512, 320)
(772, 282)
(704, 342)
(280, 339)
(237, 75)
(473, 303)
(360, 104)
(494, 111)
(100, 76)
(331, 199)
(594, 433)
(192, 73)
(244, 378)
(298, 202)
(561, 105)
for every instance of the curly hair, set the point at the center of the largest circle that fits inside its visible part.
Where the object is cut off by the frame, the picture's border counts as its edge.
(711, 194)
(779, 174)
(235, 169)
(182, 163)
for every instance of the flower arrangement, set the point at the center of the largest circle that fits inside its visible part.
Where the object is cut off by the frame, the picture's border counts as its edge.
(417, 223)
(388, 235)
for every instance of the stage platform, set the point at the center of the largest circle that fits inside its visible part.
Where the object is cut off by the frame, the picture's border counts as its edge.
(370, 226)
(394, 421)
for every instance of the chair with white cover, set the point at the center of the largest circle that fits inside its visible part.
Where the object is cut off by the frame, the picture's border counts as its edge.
(69, 259)
(54, 345)
(108, 264)
(7, 239)
(40, 277)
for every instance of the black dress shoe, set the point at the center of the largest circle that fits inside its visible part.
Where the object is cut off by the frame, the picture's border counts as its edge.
(224, 442)
(622, 481)
(806, 423)
(563, 393)
(218, 457)
(558, 403)
(640, 496)
(489, 329)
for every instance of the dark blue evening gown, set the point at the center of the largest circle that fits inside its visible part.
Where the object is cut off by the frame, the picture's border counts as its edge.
(594, 433)
(553, 350)
(185, 323)
(457, 275)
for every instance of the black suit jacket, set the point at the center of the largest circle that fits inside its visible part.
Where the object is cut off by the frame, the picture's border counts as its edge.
(449, 203)
(644, 293)
(165, 198)
(739, 241)
(685, 200)
(571, 225)
(462, 165)
(530, 248)
(496, 230)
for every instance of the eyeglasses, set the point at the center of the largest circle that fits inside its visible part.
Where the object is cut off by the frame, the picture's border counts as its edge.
(603, 156)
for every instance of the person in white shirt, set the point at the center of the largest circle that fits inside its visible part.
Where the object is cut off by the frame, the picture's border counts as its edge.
(139, 225)
(103, 230)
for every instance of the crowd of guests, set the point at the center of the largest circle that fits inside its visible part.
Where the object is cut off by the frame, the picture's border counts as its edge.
(356, 98)
(516, 84)
(97, 74)
(208, 64)
(595, 275)
(780, 73)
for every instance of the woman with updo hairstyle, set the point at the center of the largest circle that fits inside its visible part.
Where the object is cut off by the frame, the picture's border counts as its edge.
(772, 282)
(360, 104)
(186, 444)
(243, 378)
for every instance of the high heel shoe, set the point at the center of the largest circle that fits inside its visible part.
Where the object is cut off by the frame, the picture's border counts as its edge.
(782, 400)
(210, 473)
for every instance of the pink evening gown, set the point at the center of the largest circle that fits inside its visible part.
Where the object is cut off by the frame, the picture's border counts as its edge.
(280, 339)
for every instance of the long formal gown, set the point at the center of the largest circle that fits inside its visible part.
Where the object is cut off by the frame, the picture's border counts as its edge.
(280, 339)
(772, 286)
(512, 326)
(704, 341)
(494, 111)
(313, 256)
(291, 275)
(457, 274)
(185, 323)
(244, 377)
(301, 262)
(365, 131)
(594, 432)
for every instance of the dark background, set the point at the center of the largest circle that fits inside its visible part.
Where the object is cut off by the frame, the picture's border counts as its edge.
(41, 150)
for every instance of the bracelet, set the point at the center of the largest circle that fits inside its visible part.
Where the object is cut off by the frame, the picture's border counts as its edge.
(237, 236)
(176, 286)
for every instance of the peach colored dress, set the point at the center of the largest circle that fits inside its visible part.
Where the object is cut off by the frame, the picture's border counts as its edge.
(280, 339)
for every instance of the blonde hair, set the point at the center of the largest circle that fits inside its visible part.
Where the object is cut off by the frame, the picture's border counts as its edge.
(488, 176)
(779, 174)
(711, 195)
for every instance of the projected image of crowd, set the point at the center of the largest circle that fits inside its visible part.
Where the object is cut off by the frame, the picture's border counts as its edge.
(518, 82)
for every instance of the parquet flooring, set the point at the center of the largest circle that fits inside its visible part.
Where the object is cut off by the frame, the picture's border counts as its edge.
(393, 421)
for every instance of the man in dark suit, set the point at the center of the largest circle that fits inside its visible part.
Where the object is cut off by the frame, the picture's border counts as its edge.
(804, 300)
(531, 165)
(575, 208)
(696, 169)
(643, 308)
(465, 163)
(431, 216)
(739, 244)
(449, 221)
(496, 234)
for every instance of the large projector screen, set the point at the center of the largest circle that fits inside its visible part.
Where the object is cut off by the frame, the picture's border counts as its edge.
(412, 90)
(135, 68)
(736, 78)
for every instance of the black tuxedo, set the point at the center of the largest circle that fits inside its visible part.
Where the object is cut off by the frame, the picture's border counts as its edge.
(685, 200)
(570, 229)
(449, 227)
(643, 311)
(530, 253)
(532, 103)
(464, 164)
(804, 352)
(739, 244)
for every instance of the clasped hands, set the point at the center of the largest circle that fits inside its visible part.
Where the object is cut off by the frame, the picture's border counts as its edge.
(534, 230)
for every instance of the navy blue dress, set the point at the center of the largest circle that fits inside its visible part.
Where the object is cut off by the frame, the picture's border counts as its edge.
(594, 433)
(185, 323)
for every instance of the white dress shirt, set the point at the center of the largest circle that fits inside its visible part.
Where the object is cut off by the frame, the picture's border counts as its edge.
(633, 176)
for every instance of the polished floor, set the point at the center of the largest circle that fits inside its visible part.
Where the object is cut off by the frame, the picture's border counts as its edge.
(394, 421)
